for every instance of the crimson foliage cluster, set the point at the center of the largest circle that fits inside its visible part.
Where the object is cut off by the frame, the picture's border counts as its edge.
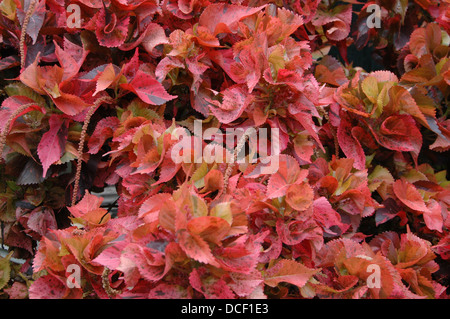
(93, 93)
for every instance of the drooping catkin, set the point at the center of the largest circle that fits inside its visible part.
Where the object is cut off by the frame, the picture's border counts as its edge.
(86, 122)
(237, 150)
(23, 32)
(106, 285)
(5, 130)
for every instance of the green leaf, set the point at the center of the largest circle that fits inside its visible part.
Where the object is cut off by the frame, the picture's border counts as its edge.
(370, 88)
(18, 88)
(5, 270)
(199, 175)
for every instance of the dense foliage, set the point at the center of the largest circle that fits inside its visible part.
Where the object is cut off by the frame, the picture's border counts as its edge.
(361, 184)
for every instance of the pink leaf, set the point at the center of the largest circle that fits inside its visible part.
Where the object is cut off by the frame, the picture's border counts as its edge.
(148, 89)
(105, 129)
(169, 291)
(326, 216)
(288, 173)
(210, 287)
(70, 104)
(196, 248)
(47, 287)
(288, 271)
(349, 143)
(400, 133)
(409, 196)
(18, 290)
(433, 217)
(235, 101)
(53, 142)
(70, 59)
(87, 204)
(111, 34)
(224, 18)
(241, 256)
(41, 220)
(36, 20)
(11, 104)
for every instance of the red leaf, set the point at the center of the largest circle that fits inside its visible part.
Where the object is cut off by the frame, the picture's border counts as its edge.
(53, 142)
(326, 216)
(47, 287)
(93, 218)
(224, 18)
(409, 196)
(425, 40)
(303, 146)
(288, 271)
(107, 77)
(294, 232)
(105, 129)
(36, 20)
(433, 217)
(349, 143)
(150, 262)
(196, 248)
(307, 9)
(110, 257)
(211, 228)
(442, 143)
(443, 248)
(288, 173)
(10, 62)
(153, 36)
(244, 284)
(299, 196)
(41, 220)
(240, 256)
(235, 101)
(169, 291)
(413, 251)
(210, 286)
(113, 33)
(16, 237)
(400, 133)
(148, 89)
(11, 104)
(18, 290)
(30, 76)
(70, 104)
(87, 204)
(336, 22)
(149, 210)
(166, 65)
(71, 58)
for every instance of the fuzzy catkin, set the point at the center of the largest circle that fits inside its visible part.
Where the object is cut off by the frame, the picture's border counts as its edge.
(86, 122)
(23, 32)
(230, 166)
(105, 283)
